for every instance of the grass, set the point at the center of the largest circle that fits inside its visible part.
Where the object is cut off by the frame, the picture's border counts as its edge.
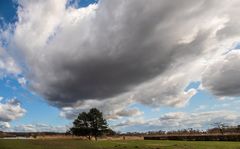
(141, 144)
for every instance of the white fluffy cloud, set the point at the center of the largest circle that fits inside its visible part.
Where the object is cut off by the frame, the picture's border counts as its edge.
(111, 108)
(4, 125)
(38, 128)
(11, 110)
(22, 81)
(182, 120)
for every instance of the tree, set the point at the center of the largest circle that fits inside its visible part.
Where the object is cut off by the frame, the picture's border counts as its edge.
(90, 124)
(81, 125)
(220, 126)
(97, 123)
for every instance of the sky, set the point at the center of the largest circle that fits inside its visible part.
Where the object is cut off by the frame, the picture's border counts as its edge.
(146, 64)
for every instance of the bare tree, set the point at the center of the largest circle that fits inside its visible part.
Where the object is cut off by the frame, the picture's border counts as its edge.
(221, 126)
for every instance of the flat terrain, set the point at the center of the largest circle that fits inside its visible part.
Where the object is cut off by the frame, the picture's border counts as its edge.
(140, 144)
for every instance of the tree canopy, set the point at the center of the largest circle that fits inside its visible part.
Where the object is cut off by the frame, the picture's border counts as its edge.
(90, 124)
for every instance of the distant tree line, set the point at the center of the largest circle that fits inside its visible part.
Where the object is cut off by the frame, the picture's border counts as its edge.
(92, 124)
(218, 129)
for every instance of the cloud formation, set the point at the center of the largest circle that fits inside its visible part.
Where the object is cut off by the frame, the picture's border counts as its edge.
(4, 125)
(182, 120)
(38, 128)
(111, 108)
(222, 77)
(7, 64)
(11, 110)
(116, 53)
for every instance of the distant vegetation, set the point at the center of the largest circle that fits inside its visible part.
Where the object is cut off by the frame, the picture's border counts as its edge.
(92, 124)
(216, 130)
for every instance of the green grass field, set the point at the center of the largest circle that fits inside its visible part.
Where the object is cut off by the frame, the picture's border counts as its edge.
(77, 144)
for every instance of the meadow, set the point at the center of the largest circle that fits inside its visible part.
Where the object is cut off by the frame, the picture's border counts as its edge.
(139, 144)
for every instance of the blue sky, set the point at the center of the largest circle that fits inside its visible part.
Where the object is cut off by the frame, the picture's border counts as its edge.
(8, 11)
(97, 58)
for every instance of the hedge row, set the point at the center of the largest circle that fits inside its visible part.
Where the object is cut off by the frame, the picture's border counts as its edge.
(196, 138)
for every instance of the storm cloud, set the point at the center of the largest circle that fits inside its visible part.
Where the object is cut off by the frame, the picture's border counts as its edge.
(120, 51)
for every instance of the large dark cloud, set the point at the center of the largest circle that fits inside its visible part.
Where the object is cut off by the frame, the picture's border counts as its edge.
(150, 49)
